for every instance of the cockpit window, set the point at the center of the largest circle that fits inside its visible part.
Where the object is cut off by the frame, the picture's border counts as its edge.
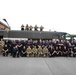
(67, 36)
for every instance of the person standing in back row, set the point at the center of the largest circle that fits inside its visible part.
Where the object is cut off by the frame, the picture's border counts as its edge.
(41, 28)
(27, 27)
(30, 27)
(22, 27)
(36, 28)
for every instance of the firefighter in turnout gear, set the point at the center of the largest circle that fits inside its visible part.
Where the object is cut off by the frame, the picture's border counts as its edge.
(45, 51)
(2, 43)
(29, 51)
(40, 52)
(34, 50)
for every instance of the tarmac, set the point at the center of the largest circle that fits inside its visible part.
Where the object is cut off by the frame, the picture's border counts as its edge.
(37, 66)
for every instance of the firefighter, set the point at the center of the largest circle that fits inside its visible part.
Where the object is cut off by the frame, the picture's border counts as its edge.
(35, 50)
(29, 51)
(45, 51)
(41, 28)
(40, 51)
(27, 27)
(36, 28)
(22, 27)
(2, 43)
(31, 27)
(5, 50)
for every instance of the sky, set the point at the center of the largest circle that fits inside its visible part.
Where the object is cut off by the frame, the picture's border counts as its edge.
(54, 15)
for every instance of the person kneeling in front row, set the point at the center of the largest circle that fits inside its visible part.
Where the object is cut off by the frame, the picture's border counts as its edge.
(15, 52)
(5, 50)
